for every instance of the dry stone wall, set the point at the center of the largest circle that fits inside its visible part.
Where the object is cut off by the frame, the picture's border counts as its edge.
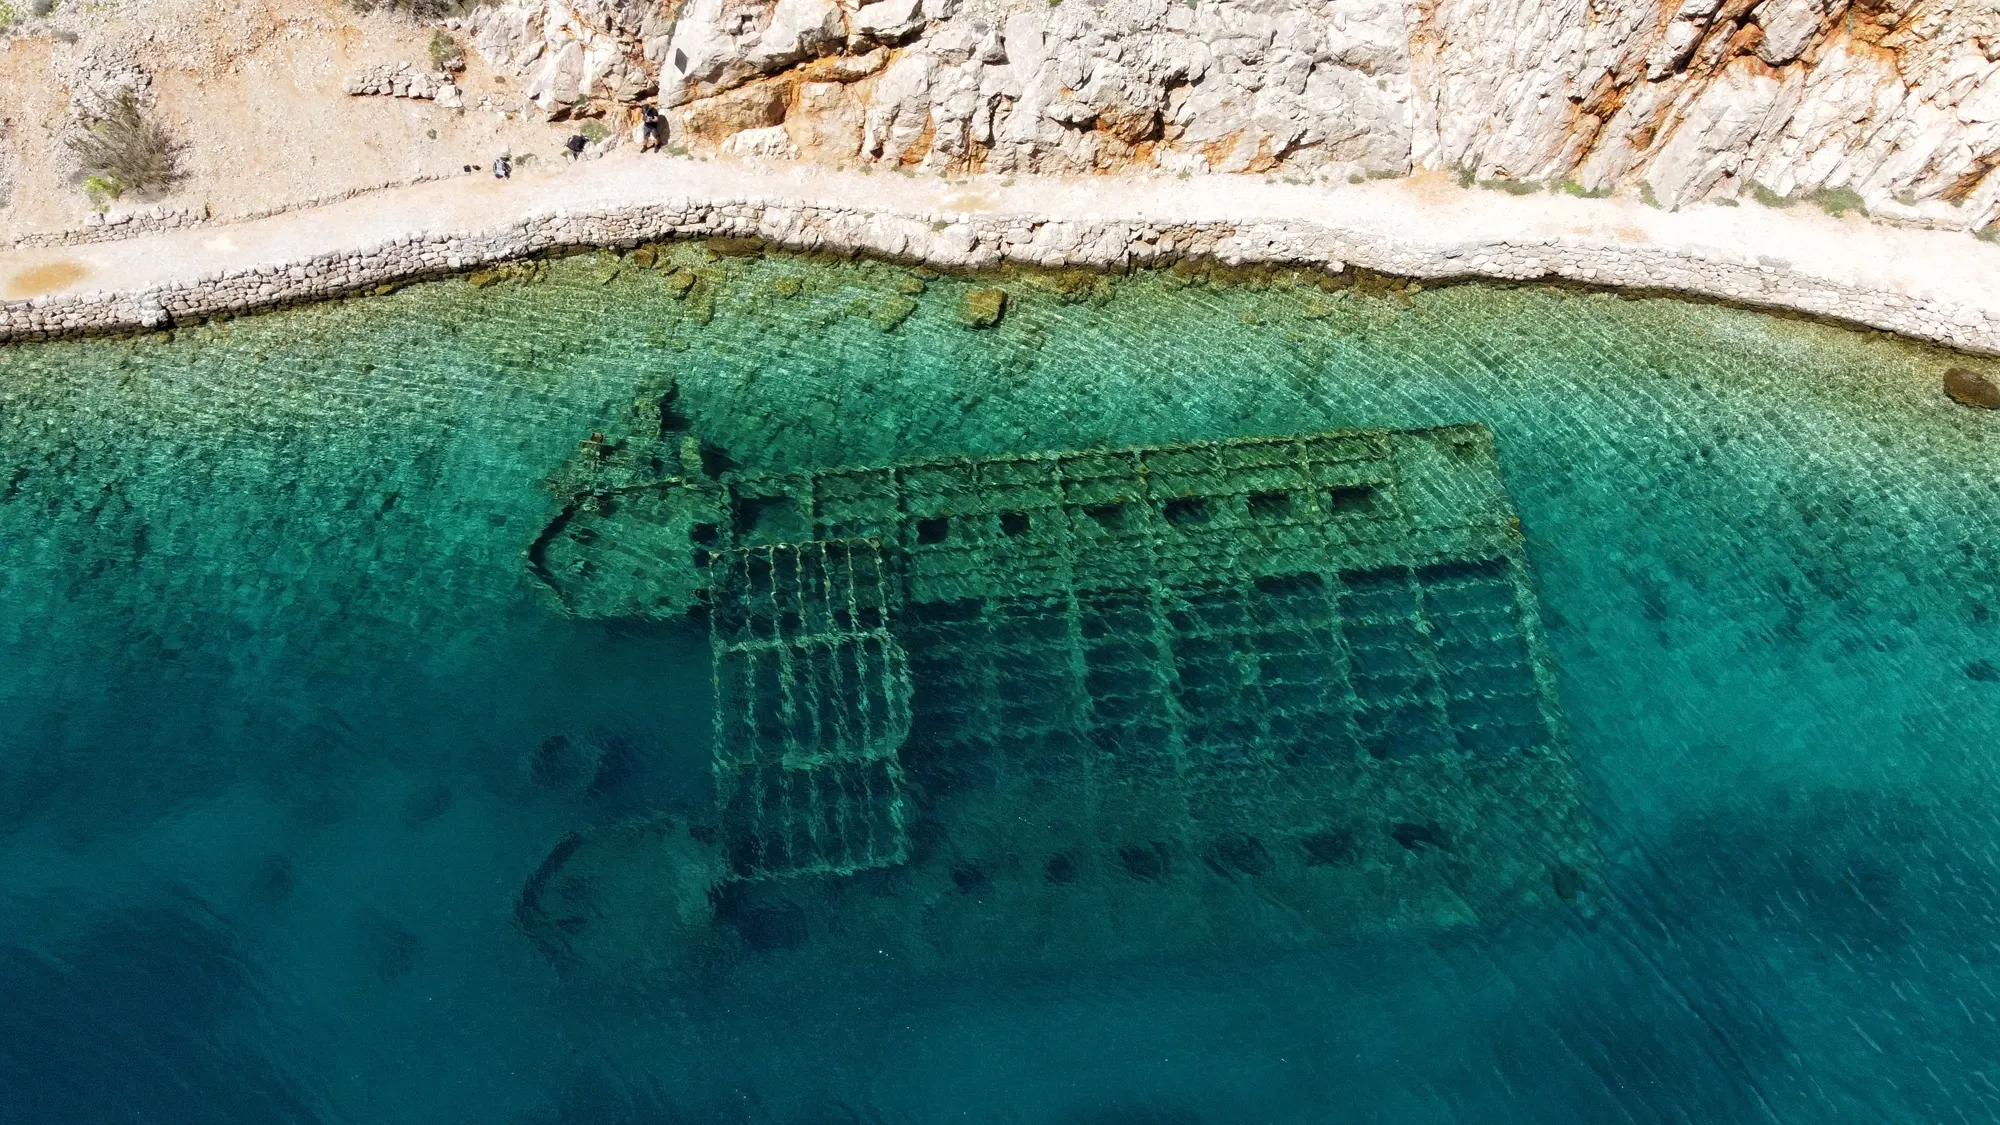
(405, 80)
(976, 242)
(109, 226)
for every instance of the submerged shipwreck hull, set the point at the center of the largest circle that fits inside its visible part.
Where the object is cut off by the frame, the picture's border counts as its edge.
(1144, 700)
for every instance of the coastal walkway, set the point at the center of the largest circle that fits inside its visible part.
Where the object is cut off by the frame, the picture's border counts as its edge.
(1938, 285)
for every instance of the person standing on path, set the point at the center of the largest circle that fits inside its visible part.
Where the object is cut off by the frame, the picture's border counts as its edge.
(652, 128)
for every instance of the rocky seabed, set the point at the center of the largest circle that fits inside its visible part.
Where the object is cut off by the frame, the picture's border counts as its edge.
(978, 242)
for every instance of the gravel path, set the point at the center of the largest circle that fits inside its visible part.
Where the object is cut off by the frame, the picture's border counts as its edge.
(1935, 284)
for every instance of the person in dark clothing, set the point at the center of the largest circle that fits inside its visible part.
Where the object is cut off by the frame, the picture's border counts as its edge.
(503, 168)
(576, 144)
(652, 128)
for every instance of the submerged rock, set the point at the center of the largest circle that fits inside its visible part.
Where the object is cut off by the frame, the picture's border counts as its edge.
(629, 903)
(1970, 388)
(983, 308)
(893, 311)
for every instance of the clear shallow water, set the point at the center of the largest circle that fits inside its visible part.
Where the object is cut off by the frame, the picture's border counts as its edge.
(274, 675)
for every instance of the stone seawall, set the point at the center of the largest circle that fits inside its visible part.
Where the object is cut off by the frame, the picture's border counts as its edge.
(975, 242)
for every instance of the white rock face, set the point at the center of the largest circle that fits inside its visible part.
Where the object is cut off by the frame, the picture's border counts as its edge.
(1896, 101)
(1701, 98)
(570, 51)
(768, 143)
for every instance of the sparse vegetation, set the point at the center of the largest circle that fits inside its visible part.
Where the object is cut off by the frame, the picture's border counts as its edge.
(124, 153)
(1767, 197)
(102, 192)
(593, 130)
(1988, 233)
(1838, 201)
(6, 14)
(1646, 195)
(419, 9)
(446, 54)
(1466, 175)
(1511, 187)
(1572, 187)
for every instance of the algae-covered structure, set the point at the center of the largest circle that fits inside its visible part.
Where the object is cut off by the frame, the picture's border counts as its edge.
(1228, 690)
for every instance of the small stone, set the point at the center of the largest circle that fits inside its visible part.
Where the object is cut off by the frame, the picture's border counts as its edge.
(983, 308)
(1970, 388)
(645, 256)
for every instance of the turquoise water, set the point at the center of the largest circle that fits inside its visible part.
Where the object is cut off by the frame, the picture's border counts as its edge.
(278, 689)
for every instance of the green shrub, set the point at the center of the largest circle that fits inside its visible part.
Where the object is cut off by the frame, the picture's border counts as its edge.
(1511, 187)
(1838, 201)
(446, 54)
(1988, 233)
(103, 193)
(1768, 197)
(1646, 195)
(1571, 187)
(593, 130)
(1466, 176)
(6, 14)
(125, 153)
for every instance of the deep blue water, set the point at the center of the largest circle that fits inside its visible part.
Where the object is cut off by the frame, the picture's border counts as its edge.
(275, 681)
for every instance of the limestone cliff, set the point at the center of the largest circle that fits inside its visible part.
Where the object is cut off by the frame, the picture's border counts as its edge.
(1895, 101)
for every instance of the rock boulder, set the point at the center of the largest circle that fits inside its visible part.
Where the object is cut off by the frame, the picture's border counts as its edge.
(1970, 388)
(983, 308)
